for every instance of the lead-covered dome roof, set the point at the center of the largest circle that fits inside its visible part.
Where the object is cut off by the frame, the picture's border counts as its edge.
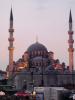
(37, 49)
(37, 46)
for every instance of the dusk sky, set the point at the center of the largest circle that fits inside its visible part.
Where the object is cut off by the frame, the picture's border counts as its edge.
(47, 19)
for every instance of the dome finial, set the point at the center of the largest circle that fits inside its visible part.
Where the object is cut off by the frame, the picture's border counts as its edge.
(36, 39)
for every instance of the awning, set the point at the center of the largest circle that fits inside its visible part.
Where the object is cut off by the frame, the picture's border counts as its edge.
(21, 93)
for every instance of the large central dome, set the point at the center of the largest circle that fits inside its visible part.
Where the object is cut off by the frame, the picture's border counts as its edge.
(37, 49)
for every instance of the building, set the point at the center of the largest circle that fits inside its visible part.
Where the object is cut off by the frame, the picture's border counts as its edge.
(3, 75)
(37, 66)
(52, 93)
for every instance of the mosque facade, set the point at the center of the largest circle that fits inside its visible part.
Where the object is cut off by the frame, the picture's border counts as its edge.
(37, 66)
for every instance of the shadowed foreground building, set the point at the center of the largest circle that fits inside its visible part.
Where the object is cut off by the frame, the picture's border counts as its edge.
(37, 67)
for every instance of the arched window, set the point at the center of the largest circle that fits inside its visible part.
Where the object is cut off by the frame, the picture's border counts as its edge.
(38, 53)
(36, 63)
(35, 53)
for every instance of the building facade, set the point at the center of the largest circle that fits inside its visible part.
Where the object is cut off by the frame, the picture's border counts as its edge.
(37, 66)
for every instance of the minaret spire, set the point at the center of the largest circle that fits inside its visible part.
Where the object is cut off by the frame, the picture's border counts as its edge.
(70, 17)
(70, 21)
(70, 42)
(11, 40)
(11, 15)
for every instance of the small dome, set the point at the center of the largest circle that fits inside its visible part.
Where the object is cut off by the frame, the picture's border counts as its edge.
(50, 67)
(50, 70)
(37, 49)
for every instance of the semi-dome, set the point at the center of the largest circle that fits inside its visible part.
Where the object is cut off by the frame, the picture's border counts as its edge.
(37, 49)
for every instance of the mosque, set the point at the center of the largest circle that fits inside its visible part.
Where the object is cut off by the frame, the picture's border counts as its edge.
(37, 65)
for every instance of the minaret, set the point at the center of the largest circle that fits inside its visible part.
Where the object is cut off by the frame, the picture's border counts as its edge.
(70, 41)
(11, 40)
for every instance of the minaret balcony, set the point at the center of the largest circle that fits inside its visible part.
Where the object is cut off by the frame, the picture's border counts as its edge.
(10, 48)
(71, 41)
(11, 30)
(11, 39)
(71, 49)
(70, 32)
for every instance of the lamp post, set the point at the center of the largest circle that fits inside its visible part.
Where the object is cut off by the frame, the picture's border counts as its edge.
(32, 70)
(25, 85)
(34, 95)
(42, 82)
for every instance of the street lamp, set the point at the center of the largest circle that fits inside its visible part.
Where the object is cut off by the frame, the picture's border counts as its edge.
(34, 95)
